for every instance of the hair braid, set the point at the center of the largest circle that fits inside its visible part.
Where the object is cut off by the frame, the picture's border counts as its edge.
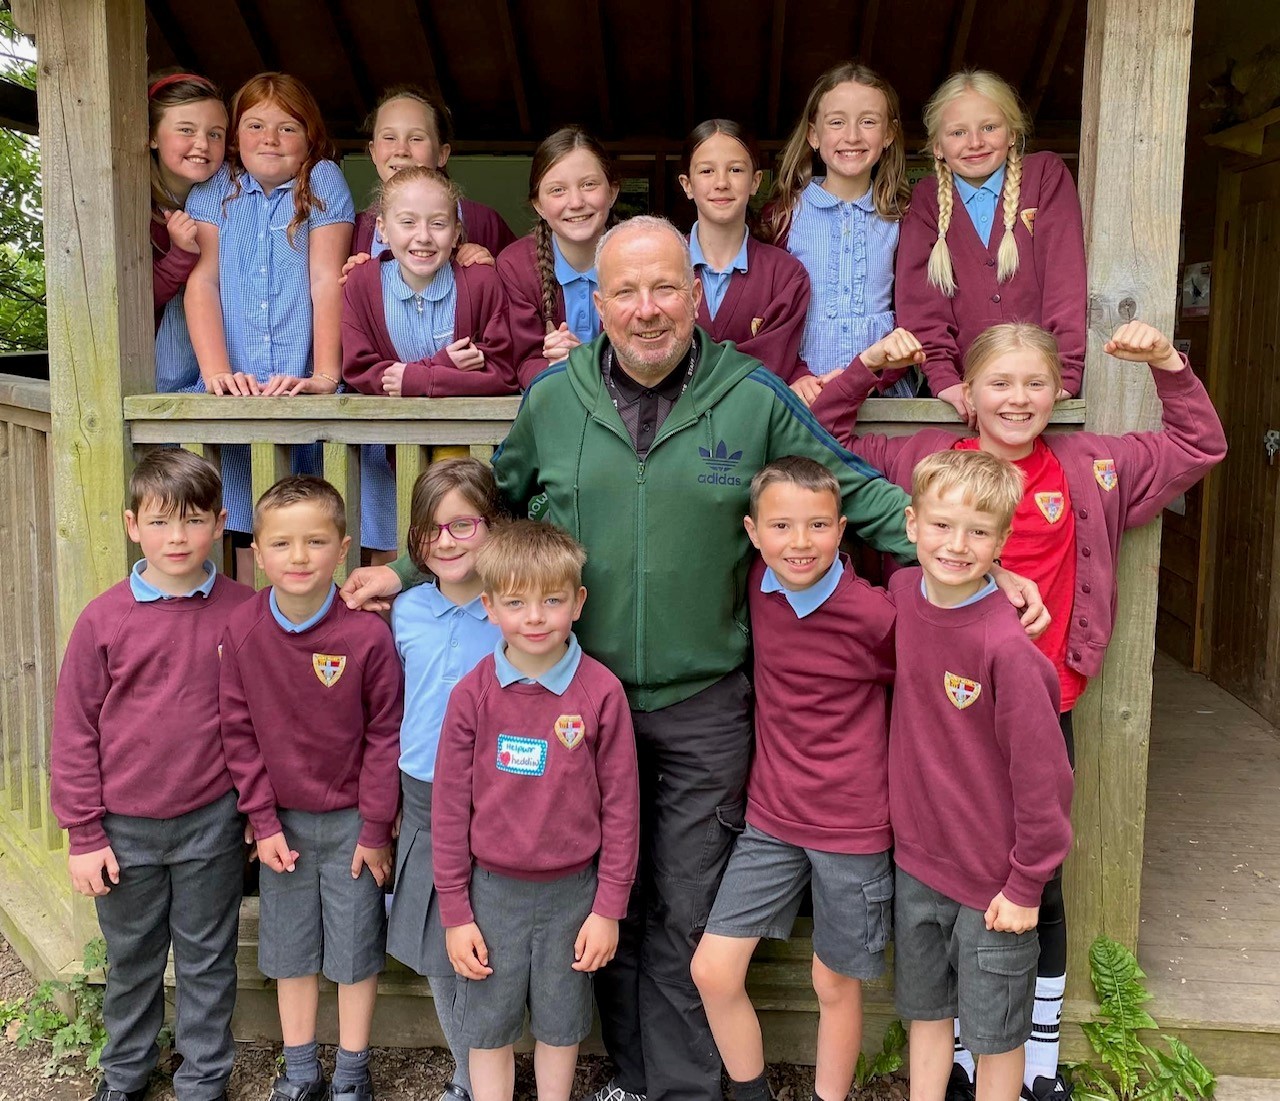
(1007, 257)
(941, 272)
(546, 273)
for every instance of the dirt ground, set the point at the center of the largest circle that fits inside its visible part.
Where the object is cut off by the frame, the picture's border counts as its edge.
(400, 1074)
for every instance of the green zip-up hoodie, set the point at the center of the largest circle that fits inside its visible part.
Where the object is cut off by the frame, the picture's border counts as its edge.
(667, 554)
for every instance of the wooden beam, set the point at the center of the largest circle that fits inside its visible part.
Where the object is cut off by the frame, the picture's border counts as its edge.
(960, 35)
(1248, 137)
(366, 91)
(867, 30)
(251, 17)
(688, 85)
(430, 67)
(173, 34)
(24, 15)
(502, 9)
(776, 41)
(1136, 71)
(1049, 59)
(596, 47)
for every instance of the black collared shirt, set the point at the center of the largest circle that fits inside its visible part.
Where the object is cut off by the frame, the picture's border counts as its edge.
(644, 409)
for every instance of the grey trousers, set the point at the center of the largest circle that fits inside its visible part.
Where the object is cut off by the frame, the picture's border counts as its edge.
(180, 882)
(693, 757)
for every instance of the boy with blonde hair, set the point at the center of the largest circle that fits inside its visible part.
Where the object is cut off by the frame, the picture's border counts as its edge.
(535, 818)
(979, 783)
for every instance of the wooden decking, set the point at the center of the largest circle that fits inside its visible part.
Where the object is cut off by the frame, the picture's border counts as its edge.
(1210, 932)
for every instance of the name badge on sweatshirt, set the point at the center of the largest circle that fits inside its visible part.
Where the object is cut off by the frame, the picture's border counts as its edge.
(1104, 473)
(328, 668)
(961, 691)
(522, 756)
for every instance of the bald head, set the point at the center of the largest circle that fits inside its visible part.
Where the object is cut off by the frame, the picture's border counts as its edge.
(648, 298)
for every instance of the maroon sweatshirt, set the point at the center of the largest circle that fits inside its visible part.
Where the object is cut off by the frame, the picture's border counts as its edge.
(820, 778)
(170, 267)
(518, 269)
(979, 783)
(764, 309)
(311, 721)
(535, 786)
(481, 314)
(1115, 482)
(135, 717)
(1049, 288)
(483, 225)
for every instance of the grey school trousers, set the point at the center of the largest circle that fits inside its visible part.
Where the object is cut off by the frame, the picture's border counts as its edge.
(693, 758)
(180, 881)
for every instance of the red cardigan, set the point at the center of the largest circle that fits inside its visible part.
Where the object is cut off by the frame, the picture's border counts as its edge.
(481, 314)
(483, 224)
(1115, 482)
(518, 267)
(170, 267)
(1049, 288)
(763, 310)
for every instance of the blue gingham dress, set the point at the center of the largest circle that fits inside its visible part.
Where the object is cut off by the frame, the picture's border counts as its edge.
(265, 285)
(419, 326)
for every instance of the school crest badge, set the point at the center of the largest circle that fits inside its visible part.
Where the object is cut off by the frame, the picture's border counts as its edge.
(1051, 506)
(1104, 473)
(961, 691)
(570, 729)
(328, 668)
(756, 323)
(1029, 219)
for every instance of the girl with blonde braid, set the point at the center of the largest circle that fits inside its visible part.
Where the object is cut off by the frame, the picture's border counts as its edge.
(958, 273)
(550, 275)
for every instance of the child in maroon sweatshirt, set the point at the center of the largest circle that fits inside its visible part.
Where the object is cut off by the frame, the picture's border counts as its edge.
(311, 707)
(140, 784)
(979, 782)
(535, 817)
(818, 793)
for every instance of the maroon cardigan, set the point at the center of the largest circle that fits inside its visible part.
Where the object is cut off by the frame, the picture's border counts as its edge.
(1049, 288)
(170, 267)
(481, 314)
(763, 310)
(483, 225)
(1115, 482)
(518, 267)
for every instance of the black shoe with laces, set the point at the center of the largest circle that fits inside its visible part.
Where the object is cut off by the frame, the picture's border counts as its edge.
(959, 1088)
(284, 1090)
(1056, 1088)
(106, 1093)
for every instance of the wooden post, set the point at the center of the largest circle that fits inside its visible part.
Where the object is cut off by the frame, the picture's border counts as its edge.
(93, 124)
(1137, 66)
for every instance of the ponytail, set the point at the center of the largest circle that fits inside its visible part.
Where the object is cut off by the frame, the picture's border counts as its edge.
(941, 272)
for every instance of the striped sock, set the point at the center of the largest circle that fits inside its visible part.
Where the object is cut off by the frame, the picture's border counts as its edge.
(963, 1058)
(1042, 1048)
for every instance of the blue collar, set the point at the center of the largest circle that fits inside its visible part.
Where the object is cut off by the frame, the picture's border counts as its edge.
(144, 592)
(556, 679)
(738, 263)
(994, 184)
(566, 273)
(297, 628)
(249, 182)
(440, 605)
(806, 601)
(820, 196)
(440, 285)
(981, 594)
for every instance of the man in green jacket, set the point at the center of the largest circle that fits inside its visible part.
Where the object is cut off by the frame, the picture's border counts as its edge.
(643, 444)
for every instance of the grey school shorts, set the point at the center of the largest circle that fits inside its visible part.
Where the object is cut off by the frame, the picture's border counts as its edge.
(947, 963)
(316, 917)
(763, 886)
(529, 929)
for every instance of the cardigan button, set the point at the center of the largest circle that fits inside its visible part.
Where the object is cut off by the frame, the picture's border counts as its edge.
(1086, 588)
(1084, 514)
(1084, 623)
(995, 298)
(1075, 655)
(1085, 552)
(990, 263)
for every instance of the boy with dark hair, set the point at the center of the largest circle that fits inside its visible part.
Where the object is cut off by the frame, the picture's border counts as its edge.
(313, 747)
(140, 784)
(534, 819)
(979, 783)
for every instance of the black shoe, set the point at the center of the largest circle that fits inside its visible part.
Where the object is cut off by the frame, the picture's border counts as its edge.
(1048, 1089)
(363, 1091)
(284, 1090)
(959, 1088)
(454, 1092)
(106, 1093)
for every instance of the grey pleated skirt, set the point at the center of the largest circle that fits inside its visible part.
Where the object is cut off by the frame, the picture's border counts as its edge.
(414, 934)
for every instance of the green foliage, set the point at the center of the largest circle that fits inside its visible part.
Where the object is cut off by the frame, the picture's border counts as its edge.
(22, 297)
(887, 1060)
(41, 1021)
(1132, 1070)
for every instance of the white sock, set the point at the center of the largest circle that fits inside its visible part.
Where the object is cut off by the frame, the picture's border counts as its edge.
(1046, 1018)
(963, 1057)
